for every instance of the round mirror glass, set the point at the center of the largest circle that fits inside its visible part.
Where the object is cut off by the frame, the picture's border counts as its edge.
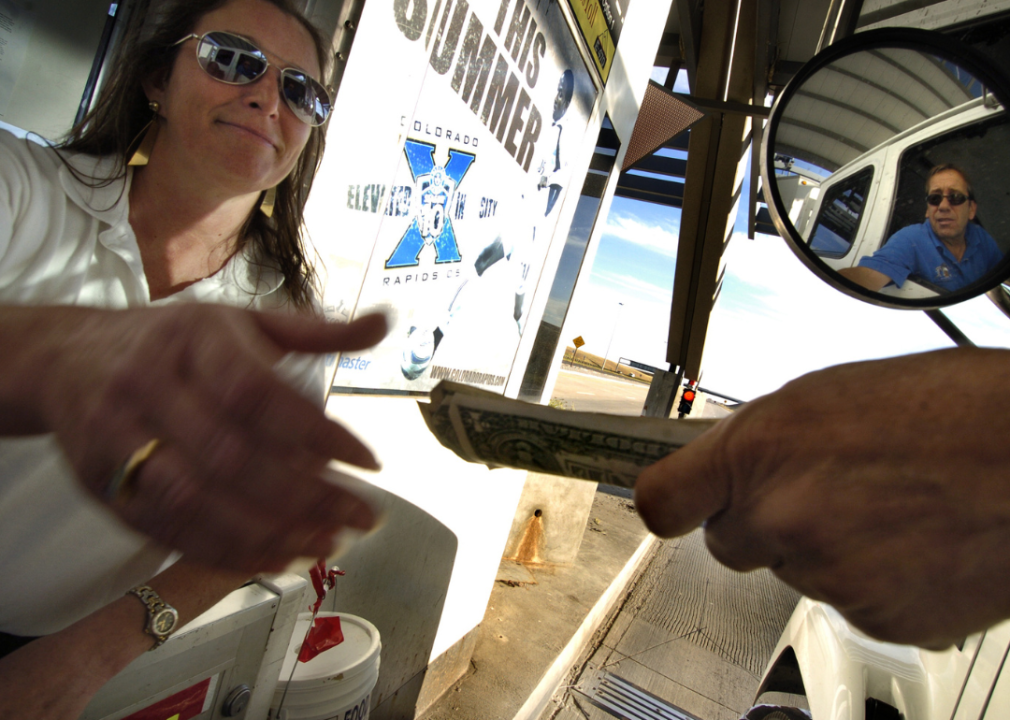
(886, 167)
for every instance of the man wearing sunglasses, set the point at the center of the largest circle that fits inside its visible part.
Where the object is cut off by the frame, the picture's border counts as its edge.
(947, 251)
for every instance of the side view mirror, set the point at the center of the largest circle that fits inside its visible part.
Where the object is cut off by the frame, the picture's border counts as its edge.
(886, 167)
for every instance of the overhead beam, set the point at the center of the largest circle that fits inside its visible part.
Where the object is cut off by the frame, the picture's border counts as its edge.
(766, 37)
(675, 167)
(714, 157)
(764, 222)
(723, 106)
(650, 186)
(670, 53)
(665, 199)
(668, 50)
(893, 11)
(608, 139)
(848, 19)
(680, 142)
(690, 17)
(766, 50)
(828, 31)
(952, 331)
(783, 73)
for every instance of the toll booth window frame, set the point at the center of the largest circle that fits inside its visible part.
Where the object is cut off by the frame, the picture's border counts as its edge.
(826, 240)
(576, 244)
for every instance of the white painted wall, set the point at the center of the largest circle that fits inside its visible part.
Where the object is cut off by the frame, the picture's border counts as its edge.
(477, 504)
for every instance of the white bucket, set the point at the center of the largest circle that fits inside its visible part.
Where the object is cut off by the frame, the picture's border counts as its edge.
(336, 684)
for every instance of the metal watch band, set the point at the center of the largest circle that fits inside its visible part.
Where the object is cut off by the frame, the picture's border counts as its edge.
(161, 617)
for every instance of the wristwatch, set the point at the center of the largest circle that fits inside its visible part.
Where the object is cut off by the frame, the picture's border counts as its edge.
(162, 618)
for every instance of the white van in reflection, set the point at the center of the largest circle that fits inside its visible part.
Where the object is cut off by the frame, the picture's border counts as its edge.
(849, 214)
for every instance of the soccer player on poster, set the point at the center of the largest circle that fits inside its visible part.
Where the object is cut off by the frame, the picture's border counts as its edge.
(515, 246)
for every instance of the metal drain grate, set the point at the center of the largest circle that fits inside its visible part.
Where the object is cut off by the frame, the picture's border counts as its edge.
(626, 700)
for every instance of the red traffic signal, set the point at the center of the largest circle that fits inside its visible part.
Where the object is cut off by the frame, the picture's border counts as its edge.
(686, 401)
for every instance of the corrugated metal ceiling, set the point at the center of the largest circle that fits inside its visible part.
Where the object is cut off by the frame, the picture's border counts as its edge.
(861, 101)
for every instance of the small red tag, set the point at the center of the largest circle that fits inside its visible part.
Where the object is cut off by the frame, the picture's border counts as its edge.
(318, 576)
(325, 633)
(322, 581)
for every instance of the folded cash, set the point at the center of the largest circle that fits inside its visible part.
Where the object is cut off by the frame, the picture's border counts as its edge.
(483, 427)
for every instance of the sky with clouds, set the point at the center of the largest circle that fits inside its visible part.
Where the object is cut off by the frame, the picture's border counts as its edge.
(774, 319)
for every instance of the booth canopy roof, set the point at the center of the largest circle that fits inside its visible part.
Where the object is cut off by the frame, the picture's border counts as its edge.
(862, 101)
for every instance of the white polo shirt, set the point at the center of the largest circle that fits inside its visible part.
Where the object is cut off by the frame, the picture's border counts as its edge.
(62, 553)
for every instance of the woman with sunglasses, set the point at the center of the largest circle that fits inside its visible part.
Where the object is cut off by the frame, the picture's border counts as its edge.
(169, 411)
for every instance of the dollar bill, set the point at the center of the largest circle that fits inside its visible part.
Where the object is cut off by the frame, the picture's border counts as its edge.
(483, 427)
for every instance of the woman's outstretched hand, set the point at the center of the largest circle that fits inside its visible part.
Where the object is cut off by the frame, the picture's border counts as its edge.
(234, 481)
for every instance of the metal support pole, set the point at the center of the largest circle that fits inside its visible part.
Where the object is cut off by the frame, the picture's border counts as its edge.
(620, 306)
(662, 393)
(952, 331)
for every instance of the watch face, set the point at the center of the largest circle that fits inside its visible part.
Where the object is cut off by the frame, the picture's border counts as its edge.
(164, 622)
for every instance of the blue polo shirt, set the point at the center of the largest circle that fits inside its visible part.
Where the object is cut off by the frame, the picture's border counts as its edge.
(917, 250)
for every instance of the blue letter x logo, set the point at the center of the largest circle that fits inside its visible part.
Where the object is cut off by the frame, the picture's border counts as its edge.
(434, 188)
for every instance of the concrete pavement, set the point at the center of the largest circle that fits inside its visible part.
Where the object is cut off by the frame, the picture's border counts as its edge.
(541, 618)
(662, 614)
(691, 632)
(587, 391)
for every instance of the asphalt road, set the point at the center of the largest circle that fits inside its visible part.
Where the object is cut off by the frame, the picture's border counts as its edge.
(590, 392)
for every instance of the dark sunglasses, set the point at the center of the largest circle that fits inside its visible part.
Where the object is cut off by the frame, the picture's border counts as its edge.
(234, 60)
(955, 198)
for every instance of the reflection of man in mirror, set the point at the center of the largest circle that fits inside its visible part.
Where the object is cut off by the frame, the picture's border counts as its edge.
(947, 250)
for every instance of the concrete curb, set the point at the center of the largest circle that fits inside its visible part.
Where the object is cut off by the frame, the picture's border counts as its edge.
(551, 681)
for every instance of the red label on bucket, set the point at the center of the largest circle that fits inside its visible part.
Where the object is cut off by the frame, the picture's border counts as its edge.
(184, 705)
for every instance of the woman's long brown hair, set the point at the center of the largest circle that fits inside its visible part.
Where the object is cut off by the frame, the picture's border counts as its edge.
(118, 118)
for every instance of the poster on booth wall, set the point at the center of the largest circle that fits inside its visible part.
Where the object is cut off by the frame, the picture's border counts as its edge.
(448, 159)
(600, 22)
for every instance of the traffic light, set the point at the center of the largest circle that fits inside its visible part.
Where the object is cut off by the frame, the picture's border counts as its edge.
(686, 401)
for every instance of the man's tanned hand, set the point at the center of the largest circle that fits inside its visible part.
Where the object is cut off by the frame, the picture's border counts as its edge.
(882, 488)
